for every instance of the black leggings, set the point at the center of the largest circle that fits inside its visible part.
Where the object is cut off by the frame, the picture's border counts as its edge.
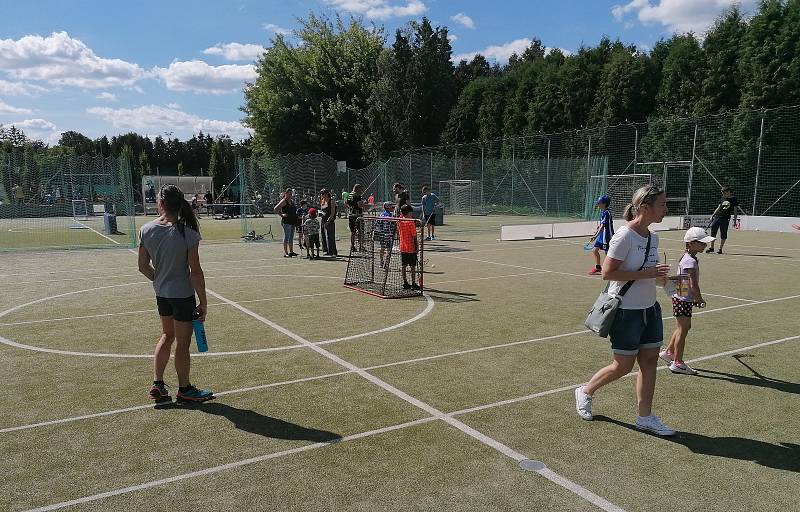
(329, 238)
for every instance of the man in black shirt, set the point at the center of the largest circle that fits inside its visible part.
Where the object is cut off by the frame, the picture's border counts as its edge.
(356, 204)
(721, 218)
(400, 198)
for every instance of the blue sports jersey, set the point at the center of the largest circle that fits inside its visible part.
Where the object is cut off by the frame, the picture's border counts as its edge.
(606, 225)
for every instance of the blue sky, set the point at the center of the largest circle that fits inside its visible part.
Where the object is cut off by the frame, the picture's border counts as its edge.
(178, 67)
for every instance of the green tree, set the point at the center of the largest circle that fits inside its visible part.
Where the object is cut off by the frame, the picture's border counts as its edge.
(626, 91)
(764, 68)
(723, 49)
(78, 142)
(682, 75)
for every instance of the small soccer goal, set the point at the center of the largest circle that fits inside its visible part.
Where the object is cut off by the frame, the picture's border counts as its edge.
(376, 264)
(80, 213)
(463, 197)
(619, 188)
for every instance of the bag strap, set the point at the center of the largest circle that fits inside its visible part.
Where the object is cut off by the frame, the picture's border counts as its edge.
(628, 285)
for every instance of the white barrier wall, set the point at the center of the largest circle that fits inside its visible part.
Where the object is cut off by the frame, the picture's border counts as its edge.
(573, 229)
(776, 224)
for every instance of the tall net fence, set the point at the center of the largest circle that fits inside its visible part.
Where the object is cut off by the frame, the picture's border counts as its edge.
(65, 201)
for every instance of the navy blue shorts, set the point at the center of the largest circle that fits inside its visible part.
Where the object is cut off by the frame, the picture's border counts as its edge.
(635, 329)
(179, 309)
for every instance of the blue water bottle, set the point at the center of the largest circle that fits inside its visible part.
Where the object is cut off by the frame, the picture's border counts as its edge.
(199, 333)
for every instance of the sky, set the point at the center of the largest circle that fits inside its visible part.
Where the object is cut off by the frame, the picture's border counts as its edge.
(175, 68)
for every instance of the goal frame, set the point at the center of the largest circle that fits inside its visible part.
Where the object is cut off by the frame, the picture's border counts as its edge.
(378, 281)
(475, 197)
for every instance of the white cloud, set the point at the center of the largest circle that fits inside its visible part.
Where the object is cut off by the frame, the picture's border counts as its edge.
(379, 9)
(157, 119)
(452, 38)
(501, 53)
(463, 20)
(5, 108)
(59, 59)
(678, 15)
(106, 96)
(197, 76)
(278, 30)
(19, 89)
(236, 51)
(173, 106)
(39, 129)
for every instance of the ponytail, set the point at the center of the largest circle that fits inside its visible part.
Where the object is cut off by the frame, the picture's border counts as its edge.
(187, 217)
(629, 213)
(172, 200)
(644, 195)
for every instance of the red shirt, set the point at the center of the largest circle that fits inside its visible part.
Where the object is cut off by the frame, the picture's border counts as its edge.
(407, 230)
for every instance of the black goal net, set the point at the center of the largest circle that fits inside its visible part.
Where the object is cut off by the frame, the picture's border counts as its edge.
(387, 258)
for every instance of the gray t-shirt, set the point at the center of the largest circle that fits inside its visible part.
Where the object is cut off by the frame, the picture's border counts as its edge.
(168, 249)
(629, 246)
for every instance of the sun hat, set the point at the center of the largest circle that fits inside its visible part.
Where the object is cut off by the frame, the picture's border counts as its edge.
(697, 234)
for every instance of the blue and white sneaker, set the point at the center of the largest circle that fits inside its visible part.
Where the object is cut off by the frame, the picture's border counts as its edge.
(192, 394)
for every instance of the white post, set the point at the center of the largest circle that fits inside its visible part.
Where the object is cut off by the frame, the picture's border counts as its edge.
(455, 163)
(547, 181)
(758, 163)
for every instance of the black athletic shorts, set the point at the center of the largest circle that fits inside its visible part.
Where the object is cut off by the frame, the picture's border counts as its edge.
(353, 222)
(408, 258)
(179, 309)
(721, 224)
(430, 219)
(313, 240)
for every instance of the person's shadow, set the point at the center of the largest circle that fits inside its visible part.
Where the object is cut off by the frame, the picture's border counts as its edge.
(450, 296)
(757, 380)
(785, 456)
(255, 423)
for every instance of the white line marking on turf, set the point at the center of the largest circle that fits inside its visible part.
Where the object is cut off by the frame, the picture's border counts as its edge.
(99, 233)
(483, 438)
(216, 469)
(729, 297)
(748, 246)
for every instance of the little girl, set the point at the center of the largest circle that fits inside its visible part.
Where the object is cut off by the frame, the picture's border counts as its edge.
(684, 298)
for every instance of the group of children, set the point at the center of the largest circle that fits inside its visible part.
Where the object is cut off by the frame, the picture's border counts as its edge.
(684, 288)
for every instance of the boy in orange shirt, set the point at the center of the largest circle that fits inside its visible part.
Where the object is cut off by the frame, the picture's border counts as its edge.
(408, 246)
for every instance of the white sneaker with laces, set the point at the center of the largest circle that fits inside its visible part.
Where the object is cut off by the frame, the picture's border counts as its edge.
(653, 424)
(583, 404)
(682, 368)
(666, 356)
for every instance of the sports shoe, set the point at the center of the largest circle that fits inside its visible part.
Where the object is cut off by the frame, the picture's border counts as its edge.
(159, 392)
(406, 286)
(653, 425)
(666, 355)
(595, 271)
(719, 251)
(583, 404)
(709, 250)
(192, 394)
(683, 368)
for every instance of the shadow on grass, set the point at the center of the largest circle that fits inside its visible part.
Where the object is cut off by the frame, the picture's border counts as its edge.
(445, 248)
(255, 423)
(758, 379)
(785, 456)
(450, 296)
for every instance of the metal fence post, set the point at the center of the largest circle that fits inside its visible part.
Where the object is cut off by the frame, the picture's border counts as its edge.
(547, 181)
(691, 172)
(758, 162)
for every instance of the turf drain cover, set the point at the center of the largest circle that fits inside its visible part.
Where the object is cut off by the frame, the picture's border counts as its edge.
(532, 465)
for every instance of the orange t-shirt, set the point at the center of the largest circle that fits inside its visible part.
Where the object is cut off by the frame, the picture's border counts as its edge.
(408, 236)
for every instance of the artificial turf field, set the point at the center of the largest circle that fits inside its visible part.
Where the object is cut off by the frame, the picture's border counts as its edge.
(329, 399)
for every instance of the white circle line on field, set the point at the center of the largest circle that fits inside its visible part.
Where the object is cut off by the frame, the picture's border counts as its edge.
(425, 312)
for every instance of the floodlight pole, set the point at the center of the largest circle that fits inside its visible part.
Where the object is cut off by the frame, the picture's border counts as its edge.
(758, 162)
(512, 176)
(481, 177)
(455, 163)
(431, 174)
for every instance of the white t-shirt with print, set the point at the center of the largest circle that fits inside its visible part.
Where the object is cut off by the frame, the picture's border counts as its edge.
(629, 246)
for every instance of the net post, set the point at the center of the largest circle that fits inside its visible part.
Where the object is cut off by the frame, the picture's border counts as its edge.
(758, 162)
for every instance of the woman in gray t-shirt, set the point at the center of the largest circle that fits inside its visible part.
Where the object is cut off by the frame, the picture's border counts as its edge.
(168, 256)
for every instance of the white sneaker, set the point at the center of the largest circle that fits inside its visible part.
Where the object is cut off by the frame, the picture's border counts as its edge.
(682, 368)
(666, 356)
(583, 404)
(653, 424)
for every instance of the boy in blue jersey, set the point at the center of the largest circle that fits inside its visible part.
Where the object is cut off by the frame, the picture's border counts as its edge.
(605, 230)
(429, 202)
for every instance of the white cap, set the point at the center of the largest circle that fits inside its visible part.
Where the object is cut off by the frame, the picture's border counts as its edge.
(697, 235)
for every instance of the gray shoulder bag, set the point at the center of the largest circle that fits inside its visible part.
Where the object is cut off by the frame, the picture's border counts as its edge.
(601, 317)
